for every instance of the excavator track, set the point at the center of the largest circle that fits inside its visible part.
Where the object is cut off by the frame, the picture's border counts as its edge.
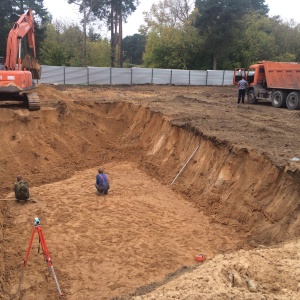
(33, 101)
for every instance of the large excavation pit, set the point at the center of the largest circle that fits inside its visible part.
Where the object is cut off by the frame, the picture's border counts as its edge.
(145, 232)
(106, 246)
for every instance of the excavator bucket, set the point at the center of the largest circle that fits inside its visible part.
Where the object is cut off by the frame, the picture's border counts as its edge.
(31, 64)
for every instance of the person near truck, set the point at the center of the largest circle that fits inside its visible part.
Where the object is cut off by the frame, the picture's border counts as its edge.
(102, 182)
(21, 189)
(242, 84)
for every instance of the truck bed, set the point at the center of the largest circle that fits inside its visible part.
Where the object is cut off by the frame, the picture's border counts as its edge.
(282, 75)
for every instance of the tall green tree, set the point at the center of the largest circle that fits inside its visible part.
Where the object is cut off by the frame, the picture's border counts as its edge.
(62, 46)
(264, 38)
(86, 8)
(220, 23)
(10, 12)
(167, 13)
(172, 41)
(41, 18)
(7, 21)
(114, 13)
(255, 42)
(287, 39)
(133, 48)
(173, 48)
(20, 6)
(98, 53)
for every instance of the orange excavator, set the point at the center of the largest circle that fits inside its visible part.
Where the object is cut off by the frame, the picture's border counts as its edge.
(16, 76)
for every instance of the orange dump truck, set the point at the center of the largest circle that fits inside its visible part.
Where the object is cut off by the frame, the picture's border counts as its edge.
(278, 82)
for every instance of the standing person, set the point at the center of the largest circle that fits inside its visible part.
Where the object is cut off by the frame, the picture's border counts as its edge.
(21, 189)
(102, 182)
(242, 84)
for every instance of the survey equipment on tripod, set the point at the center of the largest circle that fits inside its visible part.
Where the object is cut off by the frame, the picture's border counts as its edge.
(42, 242)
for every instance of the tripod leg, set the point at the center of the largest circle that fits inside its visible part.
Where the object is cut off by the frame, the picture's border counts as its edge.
(48, 259)
(20, 282)
(56, 281)
(26, 258)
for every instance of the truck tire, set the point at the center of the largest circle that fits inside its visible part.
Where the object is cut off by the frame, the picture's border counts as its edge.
(251, 97)
(293, 100)
(279, 99)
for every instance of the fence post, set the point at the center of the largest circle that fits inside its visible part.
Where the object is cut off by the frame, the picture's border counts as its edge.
(152, 76)
(131, 75)
(171, 76)
(223, 77)
(110, 76)
(189, 77)
(88, 76)
(64, 75)
(206, 77)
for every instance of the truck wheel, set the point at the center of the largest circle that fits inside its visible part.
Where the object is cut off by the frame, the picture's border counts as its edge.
(293, 100)
(279, 99)
(251, 97)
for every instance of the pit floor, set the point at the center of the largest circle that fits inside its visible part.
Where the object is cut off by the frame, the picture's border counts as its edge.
(108, 246)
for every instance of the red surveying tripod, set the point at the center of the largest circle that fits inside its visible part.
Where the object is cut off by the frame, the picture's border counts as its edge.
(38, 228)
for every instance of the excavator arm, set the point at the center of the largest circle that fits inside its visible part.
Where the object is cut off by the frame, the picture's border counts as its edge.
(16, 77)
(24, 26)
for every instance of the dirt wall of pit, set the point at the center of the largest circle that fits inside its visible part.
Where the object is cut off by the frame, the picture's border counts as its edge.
(234, 186)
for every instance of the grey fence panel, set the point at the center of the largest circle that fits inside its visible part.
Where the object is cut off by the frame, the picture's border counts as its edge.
(198, 77)
(215, 77)
(52, 74)
(141, 76)
(228, 78)
(120, 76)
(95, 75)
(180, 77)
(161, 76)
(76, 75)
(99, 75)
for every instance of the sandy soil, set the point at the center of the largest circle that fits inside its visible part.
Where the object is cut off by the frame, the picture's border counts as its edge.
(236, 201)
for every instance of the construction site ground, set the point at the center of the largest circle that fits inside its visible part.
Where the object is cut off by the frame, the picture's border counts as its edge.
(190, 173)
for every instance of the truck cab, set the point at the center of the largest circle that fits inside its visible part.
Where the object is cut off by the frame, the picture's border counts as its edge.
(257, 89)
(256, 74)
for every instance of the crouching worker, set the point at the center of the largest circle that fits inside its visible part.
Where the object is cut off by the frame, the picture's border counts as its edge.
(21, 189)
(102, 182)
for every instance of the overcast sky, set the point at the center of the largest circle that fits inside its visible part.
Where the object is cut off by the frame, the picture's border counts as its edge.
(60, 9)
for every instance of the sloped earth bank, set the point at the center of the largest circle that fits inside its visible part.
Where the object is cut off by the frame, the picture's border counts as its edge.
(237, 200)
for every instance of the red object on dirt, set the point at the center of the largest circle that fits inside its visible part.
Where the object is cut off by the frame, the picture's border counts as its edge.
(200, 257)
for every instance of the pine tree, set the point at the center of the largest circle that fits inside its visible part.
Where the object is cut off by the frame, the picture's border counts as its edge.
(219, 22)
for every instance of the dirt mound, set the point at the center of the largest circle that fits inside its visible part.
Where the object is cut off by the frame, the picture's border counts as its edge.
(240, 190)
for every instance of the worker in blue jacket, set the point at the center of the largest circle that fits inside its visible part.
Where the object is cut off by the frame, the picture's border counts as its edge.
(102, 182)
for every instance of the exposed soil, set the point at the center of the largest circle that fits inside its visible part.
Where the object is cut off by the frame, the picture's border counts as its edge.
(236, 200)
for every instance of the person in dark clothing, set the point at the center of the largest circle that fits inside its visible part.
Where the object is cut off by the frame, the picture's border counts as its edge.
(21, 189)
(242, 84)
(102, 182)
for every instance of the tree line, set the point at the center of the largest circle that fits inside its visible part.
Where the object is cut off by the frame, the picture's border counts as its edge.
(177, 34)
